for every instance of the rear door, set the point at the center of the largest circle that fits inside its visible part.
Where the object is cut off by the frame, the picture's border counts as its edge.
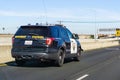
(66, 39)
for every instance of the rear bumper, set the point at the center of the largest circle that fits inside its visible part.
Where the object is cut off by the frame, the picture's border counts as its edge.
(26, 55)
(51, 55)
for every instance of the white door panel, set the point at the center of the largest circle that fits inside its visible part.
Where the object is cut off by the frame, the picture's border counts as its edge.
(73, 46)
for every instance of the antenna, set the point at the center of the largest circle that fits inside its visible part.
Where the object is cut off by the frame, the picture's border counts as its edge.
(46, 23)
(60, 22)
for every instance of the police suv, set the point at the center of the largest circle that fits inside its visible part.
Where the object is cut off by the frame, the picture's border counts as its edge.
(45, 42)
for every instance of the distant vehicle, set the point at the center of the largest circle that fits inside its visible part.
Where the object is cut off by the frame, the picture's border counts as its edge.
(45, 42)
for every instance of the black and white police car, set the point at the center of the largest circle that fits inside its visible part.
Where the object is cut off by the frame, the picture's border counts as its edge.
(45, 42)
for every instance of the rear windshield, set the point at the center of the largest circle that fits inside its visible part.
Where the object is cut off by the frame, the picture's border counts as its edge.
(33, 30)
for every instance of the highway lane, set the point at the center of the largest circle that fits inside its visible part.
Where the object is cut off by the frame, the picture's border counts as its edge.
(102, 64)
(109, 71)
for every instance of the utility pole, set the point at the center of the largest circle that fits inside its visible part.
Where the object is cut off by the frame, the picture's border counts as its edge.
(3, 29)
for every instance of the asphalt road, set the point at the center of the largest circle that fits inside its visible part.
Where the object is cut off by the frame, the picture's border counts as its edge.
(102, 64)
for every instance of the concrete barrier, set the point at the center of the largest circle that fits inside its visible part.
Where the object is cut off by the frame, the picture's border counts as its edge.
(87, 44)
(99, 44)
(5, 54)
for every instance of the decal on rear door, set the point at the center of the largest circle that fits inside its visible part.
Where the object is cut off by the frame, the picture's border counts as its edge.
(73, 46)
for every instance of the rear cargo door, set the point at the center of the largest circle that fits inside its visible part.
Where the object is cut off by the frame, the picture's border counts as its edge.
(30, 38)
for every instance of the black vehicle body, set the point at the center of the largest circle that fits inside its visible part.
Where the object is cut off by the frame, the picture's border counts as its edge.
(44, 43)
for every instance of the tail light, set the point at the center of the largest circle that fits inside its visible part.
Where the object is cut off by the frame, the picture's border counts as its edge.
(49, 41)
(13, 40)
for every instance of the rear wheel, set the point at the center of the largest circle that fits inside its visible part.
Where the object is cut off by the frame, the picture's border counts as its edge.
(60, 60)
(78, 55)
(19, 62)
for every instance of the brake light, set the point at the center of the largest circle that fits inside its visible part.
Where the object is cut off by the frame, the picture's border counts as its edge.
(49, 41)
(13, 40)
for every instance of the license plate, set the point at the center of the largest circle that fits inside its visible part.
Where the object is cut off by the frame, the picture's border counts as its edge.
(28, 42)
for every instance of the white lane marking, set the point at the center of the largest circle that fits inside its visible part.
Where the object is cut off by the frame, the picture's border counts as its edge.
(82, 77)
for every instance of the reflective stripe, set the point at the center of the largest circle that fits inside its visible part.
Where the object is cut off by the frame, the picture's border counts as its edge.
(34, 37)
(20, 36)
(38, 37)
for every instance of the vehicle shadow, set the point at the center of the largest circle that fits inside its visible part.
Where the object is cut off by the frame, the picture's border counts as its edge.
(37, 64)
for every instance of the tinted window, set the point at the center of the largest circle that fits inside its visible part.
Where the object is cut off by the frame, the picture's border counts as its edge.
(69, 33)
(54, 32)
(33, 30)
(64, 33)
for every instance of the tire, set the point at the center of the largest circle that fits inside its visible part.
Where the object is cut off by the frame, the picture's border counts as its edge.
(78, 55)
(19, 62)
(60, 61)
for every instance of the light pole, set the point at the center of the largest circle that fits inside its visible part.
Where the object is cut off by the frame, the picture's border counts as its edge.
(95, 34)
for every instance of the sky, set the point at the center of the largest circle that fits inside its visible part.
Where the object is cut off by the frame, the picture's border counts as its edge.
(89, 14)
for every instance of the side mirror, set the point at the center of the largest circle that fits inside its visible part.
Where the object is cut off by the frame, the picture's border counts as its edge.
(75, 36)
